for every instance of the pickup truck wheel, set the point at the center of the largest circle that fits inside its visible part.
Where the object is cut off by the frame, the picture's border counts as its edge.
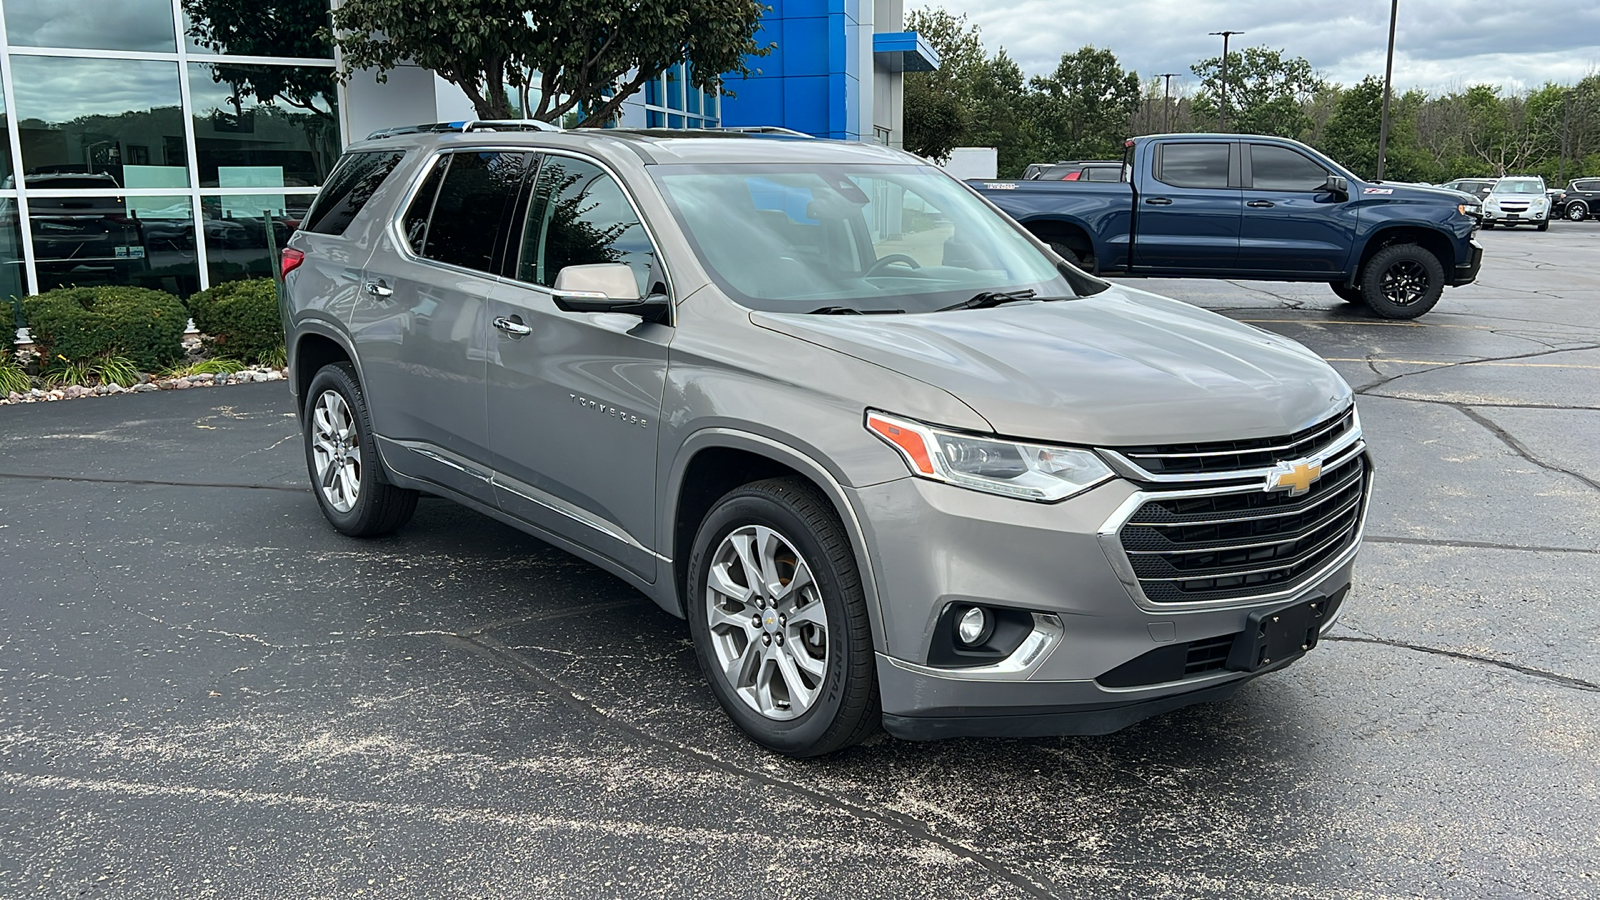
(780, 621)
(1071, 256)
(342, 458)
(1577, 211)
(1348, 294)
(1402, 281)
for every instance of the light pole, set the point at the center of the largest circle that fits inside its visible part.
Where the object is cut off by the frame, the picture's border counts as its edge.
(1222, 115)
(1388, 73)
(1166, 99)
(1566, 124)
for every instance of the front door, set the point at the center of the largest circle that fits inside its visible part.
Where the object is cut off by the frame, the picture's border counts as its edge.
(1186, 218)
(575, 398)
(1291, 225)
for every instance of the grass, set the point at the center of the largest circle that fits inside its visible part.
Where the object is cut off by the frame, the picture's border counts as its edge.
(89, 372)
(217, 365)
(277, 358)
(12, 378)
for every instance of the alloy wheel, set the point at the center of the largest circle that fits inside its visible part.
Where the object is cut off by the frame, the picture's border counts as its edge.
(1404, 283)
(1577, 212)
(336, 451)
(769, 628)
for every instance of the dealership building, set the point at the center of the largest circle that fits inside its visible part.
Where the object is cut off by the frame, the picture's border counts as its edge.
(136, 155)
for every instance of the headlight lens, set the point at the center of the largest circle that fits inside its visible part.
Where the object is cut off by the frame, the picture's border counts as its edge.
(1011, 468)
(1469, 209)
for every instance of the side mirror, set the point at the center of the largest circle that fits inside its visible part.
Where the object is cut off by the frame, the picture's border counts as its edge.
(605, 287)
(1337, 184)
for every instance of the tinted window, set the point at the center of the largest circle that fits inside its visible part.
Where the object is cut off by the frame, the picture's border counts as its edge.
(1282, 169)
(1194, 165)
(579, 216)
(1104, 173)
(479, 191)
(1587, 186)
(353, 182)
(416, 221)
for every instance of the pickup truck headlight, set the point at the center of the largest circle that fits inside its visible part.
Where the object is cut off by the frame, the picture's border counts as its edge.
(1469, 209)
(1011, 468)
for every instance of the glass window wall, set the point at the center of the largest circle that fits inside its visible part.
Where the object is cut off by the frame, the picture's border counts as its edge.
(264, 126)
(114, 239)
(143, 25)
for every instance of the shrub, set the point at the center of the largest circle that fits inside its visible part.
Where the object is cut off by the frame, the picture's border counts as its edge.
(82, 323)
(12, 379)
(240, 318)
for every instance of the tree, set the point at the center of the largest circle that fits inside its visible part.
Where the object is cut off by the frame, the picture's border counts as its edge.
(1002, 118)
(1083, 107)
(939, 104)
(292, 28)
(1267, 91)
(589, 55)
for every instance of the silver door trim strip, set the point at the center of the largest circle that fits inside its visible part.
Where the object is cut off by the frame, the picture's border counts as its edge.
(609, 529)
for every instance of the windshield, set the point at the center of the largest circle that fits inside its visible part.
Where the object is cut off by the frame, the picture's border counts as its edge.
(1519, 186)
(806, 237)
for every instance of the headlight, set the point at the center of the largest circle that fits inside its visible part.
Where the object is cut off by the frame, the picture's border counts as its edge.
(1469, 209)
(1011, 468)
(1539, 203)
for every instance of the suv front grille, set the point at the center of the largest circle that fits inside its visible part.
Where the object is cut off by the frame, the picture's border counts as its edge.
(1255, 453)
(1243, 544)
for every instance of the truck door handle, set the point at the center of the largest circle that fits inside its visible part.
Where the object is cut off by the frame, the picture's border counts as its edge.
(1158, 201)
(515, 329)
(1260, 204)
(379, 289)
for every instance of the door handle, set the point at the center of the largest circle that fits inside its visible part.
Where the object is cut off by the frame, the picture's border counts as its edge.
(515, 329)
(1260, 204)
(1158, 201)
(379, 289)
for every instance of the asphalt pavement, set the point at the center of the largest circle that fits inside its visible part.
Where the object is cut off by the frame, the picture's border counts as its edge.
(206, 691)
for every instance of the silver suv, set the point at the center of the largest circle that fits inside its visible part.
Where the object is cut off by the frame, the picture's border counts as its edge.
(894, 460)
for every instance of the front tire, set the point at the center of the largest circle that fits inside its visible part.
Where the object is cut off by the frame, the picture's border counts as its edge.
(1544, 226)
(779, 619)
(1577, 211)
(342, 458)
(1402, 281)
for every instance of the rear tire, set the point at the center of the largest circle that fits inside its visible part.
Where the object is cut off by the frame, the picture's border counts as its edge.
(342, 457)
(1402, 281)
(790, 661)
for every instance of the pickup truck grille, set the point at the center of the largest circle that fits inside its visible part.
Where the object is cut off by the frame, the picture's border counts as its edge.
(1256, 453)
(1244, 543)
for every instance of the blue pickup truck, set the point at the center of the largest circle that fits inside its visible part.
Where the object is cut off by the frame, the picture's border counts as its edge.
(1261, 208)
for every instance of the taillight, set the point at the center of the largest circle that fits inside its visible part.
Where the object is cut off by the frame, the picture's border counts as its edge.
(291, 260)
(1072, 176)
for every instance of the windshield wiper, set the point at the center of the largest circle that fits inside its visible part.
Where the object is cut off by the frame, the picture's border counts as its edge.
(988, 299)
(851, 311)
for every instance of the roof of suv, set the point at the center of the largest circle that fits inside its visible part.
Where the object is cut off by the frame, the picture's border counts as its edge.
(668, 146)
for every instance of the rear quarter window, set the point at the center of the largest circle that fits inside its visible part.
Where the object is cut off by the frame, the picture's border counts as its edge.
(352, 183)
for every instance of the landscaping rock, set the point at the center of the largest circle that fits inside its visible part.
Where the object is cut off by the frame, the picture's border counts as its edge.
(144, 387)
(144, 378)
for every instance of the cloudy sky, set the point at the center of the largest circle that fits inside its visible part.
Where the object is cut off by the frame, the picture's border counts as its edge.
(1439, 44)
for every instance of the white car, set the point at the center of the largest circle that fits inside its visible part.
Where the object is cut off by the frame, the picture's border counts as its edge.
(1517, 201)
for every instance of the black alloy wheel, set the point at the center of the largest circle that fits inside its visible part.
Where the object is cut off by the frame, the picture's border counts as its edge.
(1402, 281)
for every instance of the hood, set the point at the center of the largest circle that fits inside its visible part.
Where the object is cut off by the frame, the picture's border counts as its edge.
(1119, 368)
(1423, 193)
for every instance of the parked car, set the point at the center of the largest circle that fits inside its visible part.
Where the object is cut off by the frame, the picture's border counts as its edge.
(1476, 187)
(1255, 207)
(1517, 200)
(1077, 170)
(892, 459)
(81, 239)
(1581, 200)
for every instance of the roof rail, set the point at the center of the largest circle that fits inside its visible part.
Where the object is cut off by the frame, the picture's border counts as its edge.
(466, 126)
(761, 129)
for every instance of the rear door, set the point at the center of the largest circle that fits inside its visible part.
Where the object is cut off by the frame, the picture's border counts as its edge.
(1290, 224)
(575, 398)
(1188, 211)
(421, 320)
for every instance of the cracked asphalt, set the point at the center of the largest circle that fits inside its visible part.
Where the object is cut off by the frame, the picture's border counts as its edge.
(205, 691)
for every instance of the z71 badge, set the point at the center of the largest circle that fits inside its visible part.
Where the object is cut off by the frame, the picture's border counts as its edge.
(1377, 190)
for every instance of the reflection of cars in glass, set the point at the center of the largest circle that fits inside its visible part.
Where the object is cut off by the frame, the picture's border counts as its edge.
(73, 236)
(1517, 200)
(903, 464)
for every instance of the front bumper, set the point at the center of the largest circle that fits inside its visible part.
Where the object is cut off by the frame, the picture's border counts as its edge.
(935, 546)
(1466, 271)
(1521, 217)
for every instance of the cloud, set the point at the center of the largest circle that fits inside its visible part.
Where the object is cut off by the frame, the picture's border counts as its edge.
(92, 24)
(60, 89)
(1439, 44)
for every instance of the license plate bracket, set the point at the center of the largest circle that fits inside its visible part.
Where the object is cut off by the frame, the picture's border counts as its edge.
(1275, 635)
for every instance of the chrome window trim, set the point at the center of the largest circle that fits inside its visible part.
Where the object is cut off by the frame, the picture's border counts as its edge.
(396, 231)
(1109, 536)
(1126, 467)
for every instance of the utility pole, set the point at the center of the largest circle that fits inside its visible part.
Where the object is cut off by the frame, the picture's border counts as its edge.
(1222, 115)
(1166, 100)
(1388, 73)
(1566, 125)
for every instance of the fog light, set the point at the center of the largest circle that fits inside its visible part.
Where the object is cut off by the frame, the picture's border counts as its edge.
(972, 627)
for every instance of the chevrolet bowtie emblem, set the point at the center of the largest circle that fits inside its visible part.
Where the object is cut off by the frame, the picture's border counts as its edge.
(1296, 477)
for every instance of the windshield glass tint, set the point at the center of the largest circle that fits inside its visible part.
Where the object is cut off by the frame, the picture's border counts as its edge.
(1508, 186)
(798, 238)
